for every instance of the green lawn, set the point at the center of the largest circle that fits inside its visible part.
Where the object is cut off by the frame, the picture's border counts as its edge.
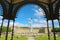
(45, 38)
(26, 38)
(15, 38)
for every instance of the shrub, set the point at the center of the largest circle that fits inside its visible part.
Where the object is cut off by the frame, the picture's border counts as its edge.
(41, 30)
(56, 30)
(5, 28)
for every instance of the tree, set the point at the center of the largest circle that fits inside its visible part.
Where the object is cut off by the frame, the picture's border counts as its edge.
(56, 30)
(5, 28)
(42, 30)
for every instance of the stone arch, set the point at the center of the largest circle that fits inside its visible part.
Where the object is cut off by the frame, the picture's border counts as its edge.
(36, 3)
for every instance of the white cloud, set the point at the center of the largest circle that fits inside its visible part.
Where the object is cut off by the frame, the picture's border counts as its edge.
(35, 20)
(39, 12)
(0, 21)
(1, 17)
(17, 24)
(39, 25)
(42, 24)
(42, 21)
(4, 24)
(55, 20)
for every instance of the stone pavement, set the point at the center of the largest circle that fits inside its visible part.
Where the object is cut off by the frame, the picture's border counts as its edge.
(31, 38)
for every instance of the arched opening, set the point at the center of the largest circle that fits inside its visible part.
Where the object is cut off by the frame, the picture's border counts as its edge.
(30, 19)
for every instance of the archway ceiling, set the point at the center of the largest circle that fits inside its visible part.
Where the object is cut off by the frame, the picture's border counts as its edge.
(46, 1)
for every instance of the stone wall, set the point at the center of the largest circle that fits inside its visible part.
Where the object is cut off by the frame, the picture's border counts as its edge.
(27, 30)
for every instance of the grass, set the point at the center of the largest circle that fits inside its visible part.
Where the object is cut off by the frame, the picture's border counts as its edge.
(26, 38)
(15, 38)
(45, 38)
(20, 38)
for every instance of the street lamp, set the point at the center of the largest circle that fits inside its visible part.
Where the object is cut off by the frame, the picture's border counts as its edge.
(30, 25)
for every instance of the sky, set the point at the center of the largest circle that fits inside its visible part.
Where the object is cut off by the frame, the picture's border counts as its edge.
(29, 11)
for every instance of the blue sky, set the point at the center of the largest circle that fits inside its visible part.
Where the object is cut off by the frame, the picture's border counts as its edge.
(30, 11)
(26, 12)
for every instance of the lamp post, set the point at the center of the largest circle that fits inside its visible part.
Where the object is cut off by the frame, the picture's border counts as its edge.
(30, 25)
